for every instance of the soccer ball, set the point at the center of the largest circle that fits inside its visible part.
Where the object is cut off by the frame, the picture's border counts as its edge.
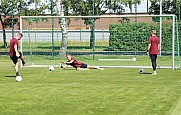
(134, 59)
(142, 71)
(61, 65)
(64, 66)
(51, 68)
(18, 78)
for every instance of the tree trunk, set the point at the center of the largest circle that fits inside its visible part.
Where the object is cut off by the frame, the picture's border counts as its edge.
(130, 7)
(63, 47)
(147, 6)
(92, 36)
(4, 33)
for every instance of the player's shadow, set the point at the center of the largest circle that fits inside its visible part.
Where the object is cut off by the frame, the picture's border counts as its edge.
(69, 69)
(10, 76)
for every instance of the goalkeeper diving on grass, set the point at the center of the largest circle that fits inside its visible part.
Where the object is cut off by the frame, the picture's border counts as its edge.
(14, 53)
(78, 65)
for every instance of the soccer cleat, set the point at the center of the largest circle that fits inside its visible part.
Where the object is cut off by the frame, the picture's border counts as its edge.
(24, 62)
(100, 68)
(17, 73)
(154, 73)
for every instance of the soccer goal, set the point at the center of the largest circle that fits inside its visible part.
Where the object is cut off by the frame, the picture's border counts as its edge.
(105, 41)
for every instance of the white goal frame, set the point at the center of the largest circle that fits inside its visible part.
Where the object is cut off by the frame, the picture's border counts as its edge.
(114, 16)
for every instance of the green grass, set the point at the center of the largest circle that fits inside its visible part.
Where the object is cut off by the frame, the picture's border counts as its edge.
(112, 91)
(141, 60)
(72, 45)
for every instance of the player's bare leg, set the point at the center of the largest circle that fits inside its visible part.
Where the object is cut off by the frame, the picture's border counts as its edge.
(23, 61)
(82, 69)
(16, 69)
(22, 58)
(92, 67)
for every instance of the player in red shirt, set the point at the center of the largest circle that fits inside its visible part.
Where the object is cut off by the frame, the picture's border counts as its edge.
(78, 65)
(14, 53)
(153, 49)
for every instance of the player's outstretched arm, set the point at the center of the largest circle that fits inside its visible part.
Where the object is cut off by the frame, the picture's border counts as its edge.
(69, 62)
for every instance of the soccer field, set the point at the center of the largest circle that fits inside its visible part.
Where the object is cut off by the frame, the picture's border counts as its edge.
(112, 91)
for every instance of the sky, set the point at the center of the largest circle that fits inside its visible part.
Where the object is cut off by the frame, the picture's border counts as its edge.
(140, 8)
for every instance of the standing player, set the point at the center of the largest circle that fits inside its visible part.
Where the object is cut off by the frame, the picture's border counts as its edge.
(153, 49)
(14, 53)
(78, 65)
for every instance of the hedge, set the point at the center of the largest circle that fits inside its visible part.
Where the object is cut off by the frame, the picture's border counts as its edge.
(134, 37)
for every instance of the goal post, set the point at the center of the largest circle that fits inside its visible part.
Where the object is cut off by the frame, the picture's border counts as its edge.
(115, 43)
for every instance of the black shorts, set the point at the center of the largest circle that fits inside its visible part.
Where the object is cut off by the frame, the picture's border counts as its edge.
(83, 65)
(153, 56)
(15, 59)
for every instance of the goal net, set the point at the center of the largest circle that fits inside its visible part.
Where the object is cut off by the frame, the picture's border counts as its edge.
(105, 41)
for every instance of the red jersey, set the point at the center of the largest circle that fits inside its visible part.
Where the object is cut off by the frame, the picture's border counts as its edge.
(13, 42)
(75, 63)
(154, 41)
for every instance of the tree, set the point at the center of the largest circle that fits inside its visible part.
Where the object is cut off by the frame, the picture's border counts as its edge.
(9, 8)
(130, 3)
(168, 7)
(85, 8)
(60, 12)
(6, 10)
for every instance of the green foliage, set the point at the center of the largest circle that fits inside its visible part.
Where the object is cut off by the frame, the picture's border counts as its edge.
(129, 3)
(91, 8)
(37, 20)
(122, 36)
(85, 8)
(11, 8)
(168, 7)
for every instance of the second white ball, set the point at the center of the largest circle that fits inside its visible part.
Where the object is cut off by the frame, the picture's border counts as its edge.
(51, 68)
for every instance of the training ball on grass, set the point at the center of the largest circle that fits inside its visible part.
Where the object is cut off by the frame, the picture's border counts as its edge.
(18, 78)
(61, 65)
(64, 66)
(51, 68)
(134, 59)
(142, 71)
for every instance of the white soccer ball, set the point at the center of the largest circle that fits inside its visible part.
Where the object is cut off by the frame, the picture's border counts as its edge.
(51, 68)
(19, 78)
(142, 71)
(64, 66)
(134, 59)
